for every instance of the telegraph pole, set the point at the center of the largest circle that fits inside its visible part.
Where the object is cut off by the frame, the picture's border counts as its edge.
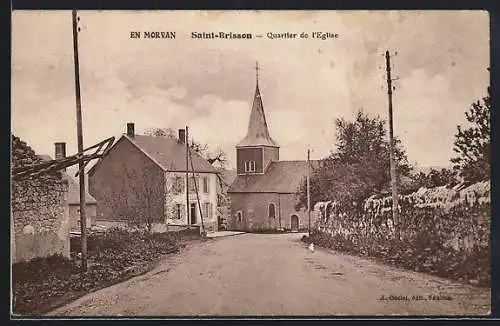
(81, 166)
(395, 215)
(187, 176)
(197, 198)
(309, 189)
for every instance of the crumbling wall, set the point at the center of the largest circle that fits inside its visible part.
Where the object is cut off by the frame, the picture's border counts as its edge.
(40, 212)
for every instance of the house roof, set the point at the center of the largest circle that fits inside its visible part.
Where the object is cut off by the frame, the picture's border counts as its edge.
(170, 153)
(257, 133)
(280, 177)
(73, 186)
(228, 176)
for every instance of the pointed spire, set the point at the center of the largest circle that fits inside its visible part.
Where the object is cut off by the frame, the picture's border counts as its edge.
(257, 74)
(258, 132)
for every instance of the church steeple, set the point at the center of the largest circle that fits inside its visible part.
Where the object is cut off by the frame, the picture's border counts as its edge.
(258, 132)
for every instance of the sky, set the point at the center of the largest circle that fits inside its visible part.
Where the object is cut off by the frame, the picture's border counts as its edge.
(208, 85)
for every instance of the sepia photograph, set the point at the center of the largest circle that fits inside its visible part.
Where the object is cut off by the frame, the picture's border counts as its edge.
(247, 163)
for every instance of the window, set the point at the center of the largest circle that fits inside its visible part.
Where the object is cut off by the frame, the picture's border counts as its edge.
(205, 185)
(192, 187)
(249, 166)
(207, 210)
(271, 211)
(238, 217)
(178, 185)
(178, 211)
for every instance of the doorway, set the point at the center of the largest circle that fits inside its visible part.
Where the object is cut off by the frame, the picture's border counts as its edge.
(294, 223)
(192, 212)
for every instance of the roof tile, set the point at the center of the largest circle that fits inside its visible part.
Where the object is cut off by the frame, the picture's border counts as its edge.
(170, 153)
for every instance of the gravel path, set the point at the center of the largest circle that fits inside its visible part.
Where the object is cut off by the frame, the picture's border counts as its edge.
(275, 274)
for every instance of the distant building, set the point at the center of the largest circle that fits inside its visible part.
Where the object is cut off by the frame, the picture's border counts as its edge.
(265, 191)
(144, 178)
(74, 194)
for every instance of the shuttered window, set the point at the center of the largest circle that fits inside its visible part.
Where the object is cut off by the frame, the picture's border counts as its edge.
(179, 211)
(206, 185)
(178, 185)
(207, 210)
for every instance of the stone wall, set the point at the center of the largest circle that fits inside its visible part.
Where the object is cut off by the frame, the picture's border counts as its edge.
(446, 231)
(457, 218)
(40, 213)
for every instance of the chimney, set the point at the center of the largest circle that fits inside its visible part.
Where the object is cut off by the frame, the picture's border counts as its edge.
(60, 151)
(182, 135)
(130, 129)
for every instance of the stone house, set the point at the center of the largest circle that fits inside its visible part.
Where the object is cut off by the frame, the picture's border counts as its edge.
(40, 211)
(74, 194)
(142, 179)
(265, 191)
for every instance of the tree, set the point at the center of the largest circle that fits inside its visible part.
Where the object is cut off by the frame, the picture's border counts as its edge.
(217, 157)
(473, 143)
(145, 199)
(443, 177)
(160, 132)
(434, 178)
(360, 165)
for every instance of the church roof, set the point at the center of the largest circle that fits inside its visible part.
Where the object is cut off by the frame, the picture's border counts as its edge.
(258, 133)
(280, 177)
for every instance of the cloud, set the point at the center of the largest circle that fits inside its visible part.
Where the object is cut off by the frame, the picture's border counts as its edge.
(209, 84)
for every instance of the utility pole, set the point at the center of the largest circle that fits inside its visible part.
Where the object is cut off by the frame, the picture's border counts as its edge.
(81, 165)
(309, 189)
(197, 198)
(187, 176)
(395, 215)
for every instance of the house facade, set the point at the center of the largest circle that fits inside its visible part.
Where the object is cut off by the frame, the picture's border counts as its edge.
(265, 191)
(74, 206)
(143, 179)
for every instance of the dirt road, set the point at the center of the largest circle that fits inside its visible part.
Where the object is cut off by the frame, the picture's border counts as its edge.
(275, 274)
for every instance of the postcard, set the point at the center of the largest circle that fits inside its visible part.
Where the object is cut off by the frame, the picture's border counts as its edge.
(250, 163)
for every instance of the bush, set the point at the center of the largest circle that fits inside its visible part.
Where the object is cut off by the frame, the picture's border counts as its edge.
(42, 268)
(113, 256)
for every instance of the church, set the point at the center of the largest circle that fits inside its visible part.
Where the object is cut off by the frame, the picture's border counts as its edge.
(266, 189)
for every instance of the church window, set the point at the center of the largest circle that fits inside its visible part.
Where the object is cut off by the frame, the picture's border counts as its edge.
(249, 166)
(271, 210)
